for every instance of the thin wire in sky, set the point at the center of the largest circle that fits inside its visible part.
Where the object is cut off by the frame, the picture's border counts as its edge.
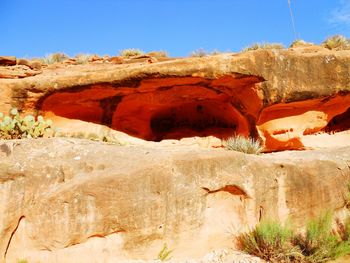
(292, 18)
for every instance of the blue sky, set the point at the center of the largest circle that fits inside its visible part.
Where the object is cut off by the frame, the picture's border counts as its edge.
(33, 28)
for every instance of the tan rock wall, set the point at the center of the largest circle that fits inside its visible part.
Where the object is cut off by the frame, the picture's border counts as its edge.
(68, 194)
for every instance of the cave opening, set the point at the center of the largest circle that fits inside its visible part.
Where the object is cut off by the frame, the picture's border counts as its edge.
(339, 123)
(165, 108)
(205, 118)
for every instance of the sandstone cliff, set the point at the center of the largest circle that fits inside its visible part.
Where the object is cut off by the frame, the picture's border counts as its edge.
(69, 200)
(280, 96)
(72, 200)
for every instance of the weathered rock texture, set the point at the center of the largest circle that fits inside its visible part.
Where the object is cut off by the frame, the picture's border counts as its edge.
(69, 200)
(277, 95)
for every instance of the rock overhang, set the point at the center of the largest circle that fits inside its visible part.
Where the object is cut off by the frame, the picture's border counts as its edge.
(165, 108)
(278, 96)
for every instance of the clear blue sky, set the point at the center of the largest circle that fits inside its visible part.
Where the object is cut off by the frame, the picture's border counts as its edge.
(31, 28)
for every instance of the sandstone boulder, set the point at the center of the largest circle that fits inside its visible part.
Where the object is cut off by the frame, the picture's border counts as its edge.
(7, 60)
(33, 64)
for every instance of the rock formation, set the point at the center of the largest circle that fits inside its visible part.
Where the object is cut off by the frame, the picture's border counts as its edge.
(69, 200)
(279, 96)
(76, 200)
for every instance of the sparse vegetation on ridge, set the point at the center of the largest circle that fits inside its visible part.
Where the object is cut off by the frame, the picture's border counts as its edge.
(300, 43)
(243, 144)
(89, 136)
(158, 54)
(257, 46)
(273, 242)
(337, 42)
(14, 126)
(131, 52)
(203, 53)
(199, 53)
(54, 58)
(82, 58)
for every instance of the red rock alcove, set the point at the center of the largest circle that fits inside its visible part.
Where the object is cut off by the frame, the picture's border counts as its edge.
(165, 108)
(282, 126)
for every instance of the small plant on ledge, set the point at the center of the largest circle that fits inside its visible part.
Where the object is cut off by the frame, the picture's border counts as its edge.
(242, 144)
(164, 254)
(15, 126)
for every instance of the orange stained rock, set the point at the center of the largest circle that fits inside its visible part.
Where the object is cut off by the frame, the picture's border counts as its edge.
(165, 108)
(282, 126)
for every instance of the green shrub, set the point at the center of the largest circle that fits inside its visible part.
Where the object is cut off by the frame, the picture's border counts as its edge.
(320, 243)
(242, 144)
(132, 52)
(164, 254)
(257, 46)
(269, 241)
(337, 42)
(54, 58)
(14, 126)
(22, 261)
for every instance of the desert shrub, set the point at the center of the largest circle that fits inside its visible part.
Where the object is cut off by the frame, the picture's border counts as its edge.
(131, 52)
(158, 54)
(54, 58)
(164, 253)
(14, 126)
(199, 53)
(242, 144)
(337, 42)
(257, 46)
(82, 58)
(270, 241)
(343, 229)
(300, 43)
(320, 243)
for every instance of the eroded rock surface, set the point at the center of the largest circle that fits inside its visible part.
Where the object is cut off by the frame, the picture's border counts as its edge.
(70, 200)
(279, 96)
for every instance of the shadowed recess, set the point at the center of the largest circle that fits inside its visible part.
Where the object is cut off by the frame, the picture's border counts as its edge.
(165, 108)
(282, 125)
(339, 123)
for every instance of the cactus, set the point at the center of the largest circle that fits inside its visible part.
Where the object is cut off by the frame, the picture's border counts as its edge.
(14, 126)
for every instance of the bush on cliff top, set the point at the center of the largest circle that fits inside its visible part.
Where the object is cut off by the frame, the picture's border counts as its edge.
(300, 43)
(337, 42)
(131, 52)
(15, 126)
(54, 58)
